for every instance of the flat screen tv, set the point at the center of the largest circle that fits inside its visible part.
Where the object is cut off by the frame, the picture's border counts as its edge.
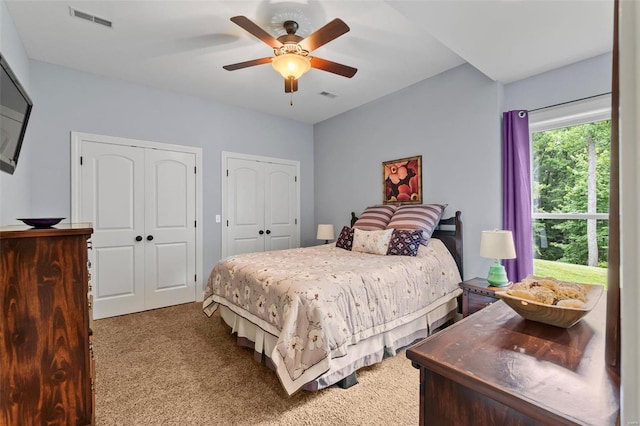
(15, 108)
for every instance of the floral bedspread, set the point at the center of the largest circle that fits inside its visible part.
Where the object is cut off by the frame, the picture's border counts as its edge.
(319, 300)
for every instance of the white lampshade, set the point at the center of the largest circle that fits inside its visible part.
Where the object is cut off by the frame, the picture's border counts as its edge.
(325, 232)
(291, 65)
(497, 244)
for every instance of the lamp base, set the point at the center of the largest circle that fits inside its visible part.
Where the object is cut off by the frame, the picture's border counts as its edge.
(497, 275)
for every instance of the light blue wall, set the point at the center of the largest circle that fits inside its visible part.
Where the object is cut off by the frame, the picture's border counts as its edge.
(453, 120)
(449, 119)
(15, 189)
(69, 100)
(586, 78)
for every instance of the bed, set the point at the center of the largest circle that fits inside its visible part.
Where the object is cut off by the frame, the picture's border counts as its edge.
(317, 314)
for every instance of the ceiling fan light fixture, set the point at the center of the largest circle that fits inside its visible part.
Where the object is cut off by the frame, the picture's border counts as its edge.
(291, 65)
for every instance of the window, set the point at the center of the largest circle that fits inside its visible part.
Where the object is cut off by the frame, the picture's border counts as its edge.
(570, 150)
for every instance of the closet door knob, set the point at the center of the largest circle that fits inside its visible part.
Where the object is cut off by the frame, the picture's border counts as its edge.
(139, 238)
(149, 237)
(261, 232)
(268, 231)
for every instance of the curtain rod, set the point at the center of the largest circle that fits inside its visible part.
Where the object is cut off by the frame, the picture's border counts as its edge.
(570, 102)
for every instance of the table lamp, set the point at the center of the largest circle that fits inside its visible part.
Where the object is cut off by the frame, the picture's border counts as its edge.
(497, 244)
(325, 232)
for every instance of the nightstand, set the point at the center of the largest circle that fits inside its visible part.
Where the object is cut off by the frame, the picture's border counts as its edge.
(476, 294)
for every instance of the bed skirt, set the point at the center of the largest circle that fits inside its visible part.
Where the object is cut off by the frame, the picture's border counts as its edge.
(366, 352)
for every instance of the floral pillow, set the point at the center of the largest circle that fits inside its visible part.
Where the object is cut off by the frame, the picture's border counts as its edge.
(404, 242)
(375, 242)
(345, 239)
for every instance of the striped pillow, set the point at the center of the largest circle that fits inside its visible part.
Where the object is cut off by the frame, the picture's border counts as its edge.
(422, 216)
(375, 218)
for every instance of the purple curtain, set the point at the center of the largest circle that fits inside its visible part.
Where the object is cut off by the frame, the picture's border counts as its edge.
(516, 192)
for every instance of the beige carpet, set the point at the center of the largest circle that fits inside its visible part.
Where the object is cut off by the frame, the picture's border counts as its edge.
(176, 366)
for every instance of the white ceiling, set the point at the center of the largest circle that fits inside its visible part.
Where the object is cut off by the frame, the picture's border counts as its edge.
(182, 45)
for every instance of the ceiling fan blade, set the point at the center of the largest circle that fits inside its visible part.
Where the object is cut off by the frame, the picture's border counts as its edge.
(334, 67)
(247, 64)
(290, 85)
(249, 26)
(324, 35)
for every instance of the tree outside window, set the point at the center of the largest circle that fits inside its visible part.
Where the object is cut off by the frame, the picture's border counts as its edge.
(570, 185)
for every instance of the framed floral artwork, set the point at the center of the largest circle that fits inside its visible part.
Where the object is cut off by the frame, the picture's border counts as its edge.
(402, 181)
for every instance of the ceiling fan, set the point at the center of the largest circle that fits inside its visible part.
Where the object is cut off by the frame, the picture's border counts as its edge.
(291, 52)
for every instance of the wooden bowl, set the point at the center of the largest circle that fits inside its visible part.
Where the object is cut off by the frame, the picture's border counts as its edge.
(552, 314)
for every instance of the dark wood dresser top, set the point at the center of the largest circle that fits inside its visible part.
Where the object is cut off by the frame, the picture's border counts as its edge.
(24, 231)
(545, 372)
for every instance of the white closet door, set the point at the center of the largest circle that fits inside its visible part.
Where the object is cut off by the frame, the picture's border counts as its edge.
(281, 203)
(169, 228)
(142, 205)
(261, 205)
(245, 206)
(113, 201)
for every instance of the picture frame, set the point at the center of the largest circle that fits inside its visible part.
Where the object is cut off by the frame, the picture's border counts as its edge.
(402, 181)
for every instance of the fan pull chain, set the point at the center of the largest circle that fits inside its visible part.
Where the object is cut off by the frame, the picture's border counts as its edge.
(291, 101)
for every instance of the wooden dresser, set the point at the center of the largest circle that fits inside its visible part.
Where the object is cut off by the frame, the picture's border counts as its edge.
(46, 358)
(496, 368)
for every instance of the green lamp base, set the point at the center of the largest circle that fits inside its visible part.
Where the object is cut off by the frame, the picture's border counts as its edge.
(497, 275)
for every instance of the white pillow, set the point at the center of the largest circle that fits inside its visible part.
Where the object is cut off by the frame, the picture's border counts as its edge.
(375, 242)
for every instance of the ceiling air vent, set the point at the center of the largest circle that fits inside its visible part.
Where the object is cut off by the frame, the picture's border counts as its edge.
(327, 94)
(89, 17)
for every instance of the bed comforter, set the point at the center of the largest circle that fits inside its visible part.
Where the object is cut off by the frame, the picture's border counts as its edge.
(320, 300)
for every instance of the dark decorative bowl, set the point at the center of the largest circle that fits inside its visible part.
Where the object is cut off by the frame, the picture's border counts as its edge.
(43, 222)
